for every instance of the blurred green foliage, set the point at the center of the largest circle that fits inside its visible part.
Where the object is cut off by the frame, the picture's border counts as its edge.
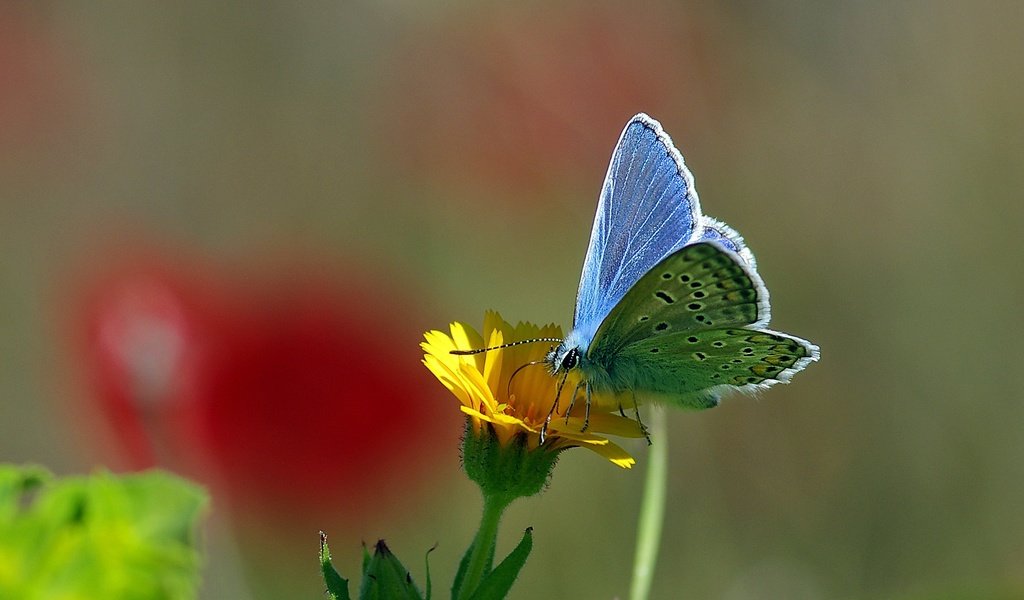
(101, 536)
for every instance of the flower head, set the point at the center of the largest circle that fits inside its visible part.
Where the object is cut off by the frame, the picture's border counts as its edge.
(516, 407)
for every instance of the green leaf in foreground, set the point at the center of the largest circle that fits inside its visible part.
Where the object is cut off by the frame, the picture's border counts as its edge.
(498, 582)
(101, 536)
(460, 573)
(337, 587)
(427, 562)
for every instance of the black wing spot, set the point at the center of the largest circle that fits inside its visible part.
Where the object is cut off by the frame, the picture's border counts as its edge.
(655, 350)
(700, 318)
(737, 361)
(643, 318)
(666, 276)
(700, 355)
(693, 339)
(753, 379)
(661, 326)
(699, 294)
(716, 375)
(665, 297)
(695, 306)
(725, 367)
(695, 284)
(684, 278)
(718, 344)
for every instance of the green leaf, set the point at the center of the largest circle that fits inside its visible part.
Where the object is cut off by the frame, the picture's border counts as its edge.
(101, 536)
(427, 561)
(497, 583)
(337, 588)
(460, 574)
(385, 578)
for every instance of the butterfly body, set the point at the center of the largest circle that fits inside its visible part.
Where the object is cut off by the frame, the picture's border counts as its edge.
(670, 306)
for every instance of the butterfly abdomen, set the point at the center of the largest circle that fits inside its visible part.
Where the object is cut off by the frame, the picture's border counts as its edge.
(671, 380)
(693, 368)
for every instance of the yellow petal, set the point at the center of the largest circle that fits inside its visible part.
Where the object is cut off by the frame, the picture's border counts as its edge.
(492, 363)
(615, 454)
(612, 424)
(477, 387)
(465, 338)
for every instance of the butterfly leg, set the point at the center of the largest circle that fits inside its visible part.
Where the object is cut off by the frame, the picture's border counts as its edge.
(586, 414)
(554, 406)
(572, 401)
(636, 412)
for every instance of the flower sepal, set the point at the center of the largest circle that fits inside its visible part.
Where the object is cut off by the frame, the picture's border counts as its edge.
(506, 471)
(384, 576)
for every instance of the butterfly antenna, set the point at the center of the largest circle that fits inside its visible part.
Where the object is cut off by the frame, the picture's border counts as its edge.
(508, 390)
(508, 345)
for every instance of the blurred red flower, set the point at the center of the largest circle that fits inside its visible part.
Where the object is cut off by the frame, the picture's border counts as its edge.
(512, 102)
(292, 394)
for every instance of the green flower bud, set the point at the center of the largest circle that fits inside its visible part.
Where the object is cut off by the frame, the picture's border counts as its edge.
(385, 578)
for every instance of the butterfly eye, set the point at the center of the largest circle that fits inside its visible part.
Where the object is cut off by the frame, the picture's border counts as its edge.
(572, 358)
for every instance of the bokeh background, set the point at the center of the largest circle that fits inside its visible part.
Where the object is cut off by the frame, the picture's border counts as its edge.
(225, 226)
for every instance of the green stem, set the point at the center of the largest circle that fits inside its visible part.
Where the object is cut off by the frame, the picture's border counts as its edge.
(652, 510)
(483, 544)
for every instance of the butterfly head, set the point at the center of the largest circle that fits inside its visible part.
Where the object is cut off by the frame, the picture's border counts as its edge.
(563, 358)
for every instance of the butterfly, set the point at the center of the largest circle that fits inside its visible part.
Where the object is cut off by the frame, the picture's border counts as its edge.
(670, 306)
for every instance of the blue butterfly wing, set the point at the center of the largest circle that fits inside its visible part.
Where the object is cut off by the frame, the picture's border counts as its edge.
(716, 231)
(648, 209)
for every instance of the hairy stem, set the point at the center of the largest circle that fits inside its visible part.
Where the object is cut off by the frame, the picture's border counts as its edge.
(484, 541)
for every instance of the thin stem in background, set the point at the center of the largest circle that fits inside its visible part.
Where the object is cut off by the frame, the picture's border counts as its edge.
(652, 510)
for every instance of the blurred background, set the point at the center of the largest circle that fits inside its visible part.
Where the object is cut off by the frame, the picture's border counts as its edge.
(225, 226)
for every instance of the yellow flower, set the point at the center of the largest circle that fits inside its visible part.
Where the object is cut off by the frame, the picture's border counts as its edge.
(481, 383)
